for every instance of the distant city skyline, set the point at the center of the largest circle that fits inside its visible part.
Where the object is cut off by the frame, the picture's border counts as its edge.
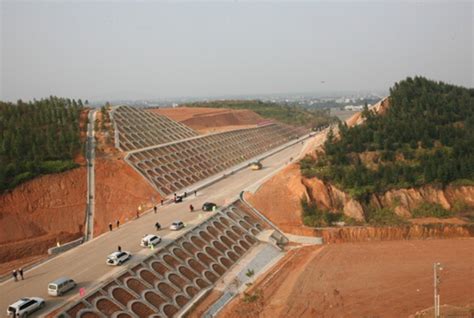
(169, 50)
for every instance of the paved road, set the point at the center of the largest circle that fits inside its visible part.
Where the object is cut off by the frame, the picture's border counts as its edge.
(86, 263)
(90, 154)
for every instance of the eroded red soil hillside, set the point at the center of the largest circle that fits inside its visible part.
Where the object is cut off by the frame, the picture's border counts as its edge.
(120, 191)
(40, 212)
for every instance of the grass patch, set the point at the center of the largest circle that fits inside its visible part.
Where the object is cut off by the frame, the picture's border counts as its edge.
(57, 166)
(383, 217)
(314, 217)
(463, 182)
(431, 210)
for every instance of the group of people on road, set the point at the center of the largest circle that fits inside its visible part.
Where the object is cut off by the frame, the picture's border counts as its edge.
(17, 273)
(155, 209)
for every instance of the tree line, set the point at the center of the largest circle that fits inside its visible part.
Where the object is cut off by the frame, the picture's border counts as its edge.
(38, 137)
(288, 114)
(425, 136)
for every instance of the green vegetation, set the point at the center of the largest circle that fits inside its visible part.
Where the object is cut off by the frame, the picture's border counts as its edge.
(383, 217)
(425, 137)
(249, 298)
(38, 137)
(431, 210)
(314, 217)
(291, 115)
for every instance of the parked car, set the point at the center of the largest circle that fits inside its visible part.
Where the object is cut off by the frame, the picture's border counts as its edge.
(179, 198)
(150, 240)
(61, 286)
(25, 306)
(209, 206)
(176, 225)
(117, 258)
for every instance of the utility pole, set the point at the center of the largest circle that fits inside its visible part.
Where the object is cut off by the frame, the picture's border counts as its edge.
(436, 267)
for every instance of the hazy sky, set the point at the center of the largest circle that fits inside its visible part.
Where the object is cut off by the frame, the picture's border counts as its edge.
(112, 50)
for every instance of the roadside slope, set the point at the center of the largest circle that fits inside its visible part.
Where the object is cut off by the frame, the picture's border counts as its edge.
(39, 213)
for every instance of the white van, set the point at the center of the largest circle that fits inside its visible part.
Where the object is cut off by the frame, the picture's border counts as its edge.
(61, 286)
(150, 240)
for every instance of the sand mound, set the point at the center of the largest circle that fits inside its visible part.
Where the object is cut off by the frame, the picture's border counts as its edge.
(378, 279)
(120, 191)
(205, 119)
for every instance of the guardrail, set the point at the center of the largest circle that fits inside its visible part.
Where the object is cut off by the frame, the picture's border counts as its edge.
(63, 248)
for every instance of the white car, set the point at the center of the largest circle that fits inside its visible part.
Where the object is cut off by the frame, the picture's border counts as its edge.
(176, 225)
(25, 306)
(150, 240)
(117, 258)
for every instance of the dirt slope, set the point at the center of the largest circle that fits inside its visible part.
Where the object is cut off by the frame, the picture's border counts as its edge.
(120, 191)
(279, 200)
(378, 279)
(211, 119)
(37, 213)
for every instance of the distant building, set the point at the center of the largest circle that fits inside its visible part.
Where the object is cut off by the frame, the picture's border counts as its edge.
(354, 108)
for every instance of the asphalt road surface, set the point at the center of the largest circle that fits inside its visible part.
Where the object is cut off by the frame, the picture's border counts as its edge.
(86, 263)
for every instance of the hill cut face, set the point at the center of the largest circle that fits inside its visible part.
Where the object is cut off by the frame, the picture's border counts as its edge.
(136, 128)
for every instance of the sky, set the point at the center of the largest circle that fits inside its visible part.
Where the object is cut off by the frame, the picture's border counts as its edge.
(150, 50)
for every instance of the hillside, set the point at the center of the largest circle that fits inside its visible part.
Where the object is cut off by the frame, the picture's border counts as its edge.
(426, 136)
(38, 137)
(420, 176)
(291, 115)
(205, 120)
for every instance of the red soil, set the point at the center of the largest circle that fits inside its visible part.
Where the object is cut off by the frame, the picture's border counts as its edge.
(36, 213)
(279, 200)
(378, 279)
(39, 213)
(120, 191)
(207, 120)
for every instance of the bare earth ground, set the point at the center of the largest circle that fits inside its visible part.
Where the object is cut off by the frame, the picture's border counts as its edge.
(40, 212)
(207, 120)
(377, 279)
(120, 191)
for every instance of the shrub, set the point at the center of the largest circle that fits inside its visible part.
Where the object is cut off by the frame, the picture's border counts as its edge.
(431, 210)
(383, 216)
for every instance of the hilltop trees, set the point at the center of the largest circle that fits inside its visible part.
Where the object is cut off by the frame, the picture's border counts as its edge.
(37, 137)
(292, 115)
(426, 136)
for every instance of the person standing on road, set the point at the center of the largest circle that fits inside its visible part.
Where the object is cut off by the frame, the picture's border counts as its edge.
(191, 208)
(20, 271)
(15, 274)
(195, 193)
(118, 223)
(110, 226)
(161, 201)
(158, 226)
(119, 248)
(154, 208)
